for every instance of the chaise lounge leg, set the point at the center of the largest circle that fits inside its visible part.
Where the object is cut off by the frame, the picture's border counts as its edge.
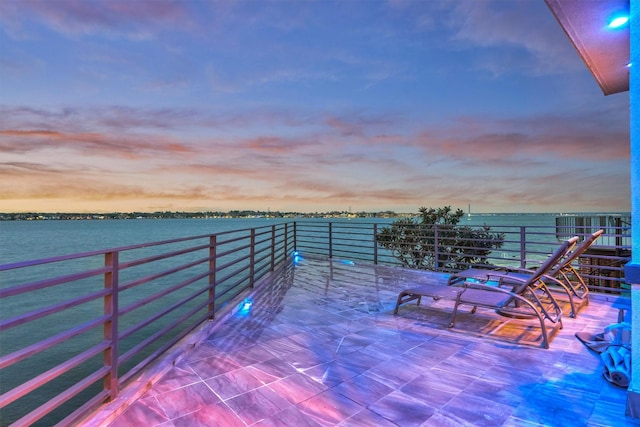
(545, 339)
(455, 311)
(405, 297)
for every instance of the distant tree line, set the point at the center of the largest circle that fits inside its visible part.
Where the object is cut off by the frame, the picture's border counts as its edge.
(41, 216)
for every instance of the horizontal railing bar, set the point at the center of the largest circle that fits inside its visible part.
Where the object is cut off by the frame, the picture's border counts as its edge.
(266, 232)
(133, 371)
(221, 242)
(259, 242)
(134, 263)
(96, 400)
(41, 261)
(50, 405)
(49, 310)
(263, 250)
(234, 295)
(47, 283)
(234, 286)
(151, 298)
(233, 250)
(164, 273)
(261, 271)
(264, 257)
(28, 386)
(153, 337)
(135, 328)
(40, 346)
(233, 262)
(222, 279)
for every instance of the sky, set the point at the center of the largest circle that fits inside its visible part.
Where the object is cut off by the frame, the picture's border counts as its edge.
(306, 106)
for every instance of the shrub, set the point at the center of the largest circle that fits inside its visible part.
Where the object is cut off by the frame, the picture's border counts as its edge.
(436, 242)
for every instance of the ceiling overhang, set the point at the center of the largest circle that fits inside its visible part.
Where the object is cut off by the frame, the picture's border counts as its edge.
(605, 51)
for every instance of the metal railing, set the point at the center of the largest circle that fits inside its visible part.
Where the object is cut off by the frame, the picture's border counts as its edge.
(87, 323)
(77, 328)
(602, 266)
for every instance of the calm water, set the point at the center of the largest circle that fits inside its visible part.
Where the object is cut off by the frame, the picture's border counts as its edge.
(27, 240)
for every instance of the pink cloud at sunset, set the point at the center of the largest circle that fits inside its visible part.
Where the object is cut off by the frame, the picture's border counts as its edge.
(302, 106)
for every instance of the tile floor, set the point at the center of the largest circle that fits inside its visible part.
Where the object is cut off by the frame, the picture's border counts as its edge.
(320, 346)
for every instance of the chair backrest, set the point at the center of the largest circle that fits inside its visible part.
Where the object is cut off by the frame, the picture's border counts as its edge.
(550, 263)
(579, 250)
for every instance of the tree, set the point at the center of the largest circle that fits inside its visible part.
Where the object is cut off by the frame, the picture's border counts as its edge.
(436, 242)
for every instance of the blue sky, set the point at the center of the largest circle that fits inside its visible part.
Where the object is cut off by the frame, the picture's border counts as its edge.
(302, 105)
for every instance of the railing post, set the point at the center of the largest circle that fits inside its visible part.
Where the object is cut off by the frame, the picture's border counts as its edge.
(330, 241)
(286, 239)
(295, 236)
(436, 249)
(618, 222)
(375, 243)
(523, 247)
(212, 276)
(252, 257)
(110, 356)
(273, 247)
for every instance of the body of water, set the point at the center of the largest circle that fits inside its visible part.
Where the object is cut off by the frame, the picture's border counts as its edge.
(28, 240)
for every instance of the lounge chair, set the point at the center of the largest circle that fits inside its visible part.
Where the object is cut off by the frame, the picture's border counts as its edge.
(432, 290)
(513, 295)
(566, 271)
(560, 277)
(557, 279)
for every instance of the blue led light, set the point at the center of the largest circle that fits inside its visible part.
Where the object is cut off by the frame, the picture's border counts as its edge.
(245, 307)
(618, 21)
(296, 257)
(346, 261)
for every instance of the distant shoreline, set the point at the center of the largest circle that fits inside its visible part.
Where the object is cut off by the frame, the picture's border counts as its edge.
(248, 214)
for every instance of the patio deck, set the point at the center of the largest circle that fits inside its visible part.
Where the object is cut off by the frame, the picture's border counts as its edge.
(320, 346)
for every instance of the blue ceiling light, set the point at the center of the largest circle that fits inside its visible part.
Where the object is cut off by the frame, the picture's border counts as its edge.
(618, 21)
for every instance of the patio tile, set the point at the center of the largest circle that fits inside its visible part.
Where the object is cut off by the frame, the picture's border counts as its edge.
(366, 418)
(322, 347)
(271, 370)
(187, 399)
(147, 411)
(233, 383)
(257, 404)
(363, 390)
(214, 366)
(291, 416)
(478, 410)
(297, 387)
(329, 408)
(402, 409)
(216, 415)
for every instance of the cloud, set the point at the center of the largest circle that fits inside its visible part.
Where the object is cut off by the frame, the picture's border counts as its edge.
(136, 20)
(534, 43)
(90, 143)
(579, 136)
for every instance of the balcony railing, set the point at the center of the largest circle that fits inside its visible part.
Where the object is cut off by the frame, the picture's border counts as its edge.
(77, 328)
(523, 246)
